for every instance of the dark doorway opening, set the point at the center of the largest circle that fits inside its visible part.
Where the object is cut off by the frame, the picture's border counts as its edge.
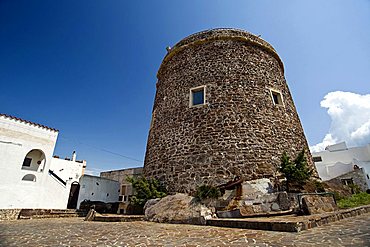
(73, 195)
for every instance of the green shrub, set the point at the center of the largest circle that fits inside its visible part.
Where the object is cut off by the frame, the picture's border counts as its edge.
(207, 191)
(145, 189)
(295, 172)
(355, 200)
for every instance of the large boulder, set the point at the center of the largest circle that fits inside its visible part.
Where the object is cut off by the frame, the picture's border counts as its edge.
(178, 208)
(150, 203)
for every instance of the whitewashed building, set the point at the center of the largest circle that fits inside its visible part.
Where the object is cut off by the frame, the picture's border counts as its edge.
(337, 160)
(30, 176)
(100, 189)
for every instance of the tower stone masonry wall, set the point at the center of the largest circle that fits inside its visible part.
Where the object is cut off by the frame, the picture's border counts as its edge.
(239, 131)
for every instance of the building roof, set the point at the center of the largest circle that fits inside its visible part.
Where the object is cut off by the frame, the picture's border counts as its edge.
(28, 122)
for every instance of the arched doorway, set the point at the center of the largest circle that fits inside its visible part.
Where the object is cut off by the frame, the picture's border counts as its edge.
(73, 195)
(34, 161)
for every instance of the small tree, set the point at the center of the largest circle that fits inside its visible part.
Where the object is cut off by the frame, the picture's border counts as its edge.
(145, 189)
(296, 172)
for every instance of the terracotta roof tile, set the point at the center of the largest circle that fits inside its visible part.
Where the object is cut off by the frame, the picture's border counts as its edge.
(25, 121)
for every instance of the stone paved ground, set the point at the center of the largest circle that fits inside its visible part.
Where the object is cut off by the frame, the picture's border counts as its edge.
(76, 232)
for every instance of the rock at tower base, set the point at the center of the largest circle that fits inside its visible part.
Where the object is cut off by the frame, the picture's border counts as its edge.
(178, 208)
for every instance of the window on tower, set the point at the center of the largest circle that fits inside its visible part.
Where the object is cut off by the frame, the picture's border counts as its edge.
(276, 97)
(197, 96)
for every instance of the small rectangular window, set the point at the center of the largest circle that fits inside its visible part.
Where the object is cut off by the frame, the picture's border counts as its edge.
(27, 162)
(276, 97)
(317, 159)
(347, 181)
(123, 190)
(197, 96)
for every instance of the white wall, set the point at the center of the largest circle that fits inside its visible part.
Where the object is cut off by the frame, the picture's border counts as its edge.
(17, 139)
(67, 169)
(98, 189)
(339, 161)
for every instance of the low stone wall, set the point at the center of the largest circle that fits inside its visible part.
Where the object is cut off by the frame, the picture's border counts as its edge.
(9, 214)
(326, 218)
(316, 204)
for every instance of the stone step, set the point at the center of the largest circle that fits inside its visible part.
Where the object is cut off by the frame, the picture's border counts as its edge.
(43, 216)
(291, 223)
(236, 213)
(50, 213)
(255, 224)
(118, 218)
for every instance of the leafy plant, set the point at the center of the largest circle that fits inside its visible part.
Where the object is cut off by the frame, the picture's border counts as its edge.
(207, 191)
(145, 189)
(295, 172)
(355, 200)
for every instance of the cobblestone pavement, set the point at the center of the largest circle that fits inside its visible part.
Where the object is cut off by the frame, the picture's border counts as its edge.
(76, 232)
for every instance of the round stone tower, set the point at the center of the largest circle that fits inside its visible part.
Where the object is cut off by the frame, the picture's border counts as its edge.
(222, 110)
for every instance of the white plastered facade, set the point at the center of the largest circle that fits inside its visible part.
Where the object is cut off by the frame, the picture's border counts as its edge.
(31, 185)
(337, 160)
(98, 189)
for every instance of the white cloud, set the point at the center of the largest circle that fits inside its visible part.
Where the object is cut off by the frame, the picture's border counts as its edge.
(93, 171)
(350, 119)
(328, 140)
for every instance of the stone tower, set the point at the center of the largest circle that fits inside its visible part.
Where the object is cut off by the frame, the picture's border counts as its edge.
(222, 110)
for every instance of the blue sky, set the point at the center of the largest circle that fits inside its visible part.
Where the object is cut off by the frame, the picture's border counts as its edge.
(88, 68)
